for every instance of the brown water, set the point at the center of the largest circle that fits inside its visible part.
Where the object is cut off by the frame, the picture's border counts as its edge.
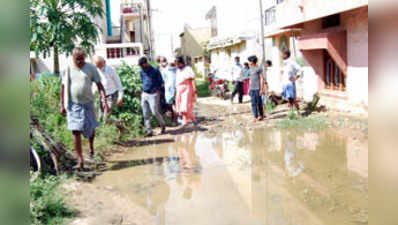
(259, 177)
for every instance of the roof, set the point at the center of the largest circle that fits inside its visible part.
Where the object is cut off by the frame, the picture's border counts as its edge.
(281, 31)
(202, 34)
(225, 42)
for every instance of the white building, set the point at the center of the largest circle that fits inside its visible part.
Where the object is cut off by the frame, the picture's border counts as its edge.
(235, 30)
(124, 36)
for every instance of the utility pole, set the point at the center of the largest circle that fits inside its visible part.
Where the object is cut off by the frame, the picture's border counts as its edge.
(148, 5)
(140, 6)
(262, 35)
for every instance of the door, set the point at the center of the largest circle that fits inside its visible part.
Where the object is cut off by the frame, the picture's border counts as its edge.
(334, 78)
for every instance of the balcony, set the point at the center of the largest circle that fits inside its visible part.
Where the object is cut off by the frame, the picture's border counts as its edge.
(130, 11)
(116, 54)
(290, 13)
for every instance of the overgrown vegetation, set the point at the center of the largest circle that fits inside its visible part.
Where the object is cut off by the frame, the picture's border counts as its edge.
(47, 204)
(203, 88)
(127, 120)
(130, 114)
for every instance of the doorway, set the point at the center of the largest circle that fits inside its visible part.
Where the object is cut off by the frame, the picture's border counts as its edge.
(334, 78)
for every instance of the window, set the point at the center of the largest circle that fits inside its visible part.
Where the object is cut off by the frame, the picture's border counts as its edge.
(270, 16)
(334, 78)
(331, 21)
(279, 1)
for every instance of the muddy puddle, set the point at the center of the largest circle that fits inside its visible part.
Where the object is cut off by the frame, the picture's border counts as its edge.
(258, 177)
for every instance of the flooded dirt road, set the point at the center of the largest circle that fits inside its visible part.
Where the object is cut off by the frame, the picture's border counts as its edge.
(231, 171)
(263, 176)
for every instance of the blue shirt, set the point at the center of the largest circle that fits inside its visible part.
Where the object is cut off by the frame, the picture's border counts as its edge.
(152, 80)
(246, 72)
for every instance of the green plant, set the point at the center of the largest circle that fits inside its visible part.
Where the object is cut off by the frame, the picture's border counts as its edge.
(44, 105)
(292, 115)
(47, 204)
(57, 25)
(269, 106)
(203, 88)
(130, 114)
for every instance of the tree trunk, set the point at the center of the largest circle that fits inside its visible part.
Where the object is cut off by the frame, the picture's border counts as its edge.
(56, 61)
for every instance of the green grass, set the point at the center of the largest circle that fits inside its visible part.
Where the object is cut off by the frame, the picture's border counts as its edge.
(270, 106)
(203, 88)
(47, 203)
(294, 121)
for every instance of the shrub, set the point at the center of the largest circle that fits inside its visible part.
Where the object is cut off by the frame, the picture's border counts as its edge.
(203, 88)
(44, 104)
(130, 114)
(47, 205)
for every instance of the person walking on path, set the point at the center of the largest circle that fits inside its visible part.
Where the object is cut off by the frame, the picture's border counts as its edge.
(77, 101)
(112, 84)
(246, 80)
(256, 88)
(169, 74)
(291, 72)
(152, 83)
(186, 91)
(238, 78)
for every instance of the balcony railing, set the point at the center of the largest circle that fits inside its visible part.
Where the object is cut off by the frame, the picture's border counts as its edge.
(130, 10)
(115, 54)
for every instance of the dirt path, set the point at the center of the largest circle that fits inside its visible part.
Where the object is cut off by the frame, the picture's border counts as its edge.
(103, 205)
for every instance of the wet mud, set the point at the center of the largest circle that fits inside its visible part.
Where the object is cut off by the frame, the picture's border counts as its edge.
(230, 172)
(264, 176)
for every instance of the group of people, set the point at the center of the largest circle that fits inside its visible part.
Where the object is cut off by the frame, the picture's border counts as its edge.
(250, 79)
(172, 84)
(170, 87)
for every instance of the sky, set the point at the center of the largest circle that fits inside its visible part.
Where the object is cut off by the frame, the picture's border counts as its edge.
(169, 17)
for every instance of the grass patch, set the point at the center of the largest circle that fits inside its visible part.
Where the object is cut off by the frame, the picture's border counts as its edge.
(47, 204)
(203, 88)
(314, 123)
(269, 107)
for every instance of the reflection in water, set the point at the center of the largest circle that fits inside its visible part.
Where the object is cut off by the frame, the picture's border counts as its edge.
(293, 166)
(261, 177)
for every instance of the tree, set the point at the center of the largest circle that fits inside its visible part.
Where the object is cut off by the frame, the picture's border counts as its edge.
(56, 26)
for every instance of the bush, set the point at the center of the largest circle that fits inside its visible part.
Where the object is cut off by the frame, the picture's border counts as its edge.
(130, 114)
(47, 205)
(44, 104)
(203, 88)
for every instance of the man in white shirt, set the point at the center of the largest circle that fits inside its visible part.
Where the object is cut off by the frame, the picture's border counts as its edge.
(112, 84)
(238, 78)
(292, 71)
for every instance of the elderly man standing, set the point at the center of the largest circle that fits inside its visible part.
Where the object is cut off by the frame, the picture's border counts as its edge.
(77, 101)
(152, 84)
(112, 84)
